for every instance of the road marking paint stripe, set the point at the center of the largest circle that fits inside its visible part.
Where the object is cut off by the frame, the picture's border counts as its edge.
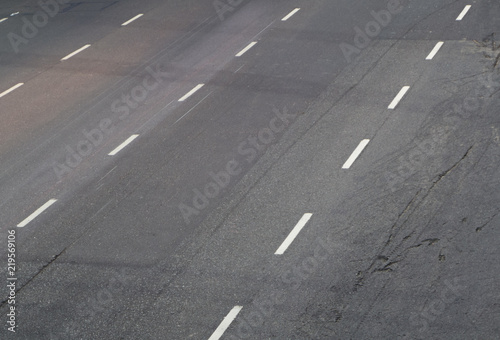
(76, 52)
(224, 325)
(130, 20)
(3, 19)
(400, 95)
(240, 53)
(191, 109)
(290, 14)
(293, 234)
(434, 50)
(464, 12)
(36, 213)
(187, 95)
(122, 145)
(362, 145)
(11, 89)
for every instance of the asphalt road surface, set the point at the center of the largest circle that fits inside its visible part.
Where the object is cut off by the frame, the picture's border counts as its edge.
(250, 169)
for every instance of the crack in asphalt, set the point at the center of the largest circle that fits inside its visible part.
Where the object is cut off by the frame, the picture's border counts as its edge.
(54, 257)
(488, 222)
(400, 225)
(410, 208)
(446, 172)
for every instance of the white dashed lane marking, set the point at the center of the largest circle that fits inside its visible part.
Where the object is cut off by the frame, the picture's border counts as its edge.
(36, 213)
(75, 52)
(225, 323)
(398, 98)
(11, 89)
(293, 234)
(434, 50)
(123, 145)
(290, 14)
(191, 109)
(190, 93)
(463, 13)
(362, 145)
(134, 18)
(240, 53)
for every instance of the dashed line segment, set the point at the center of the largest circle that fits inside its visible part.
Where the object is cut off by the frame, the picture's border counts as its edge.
(224, 325)
(249, 46)
(289, 15)
(133, 19)
(75, 52)
(11, 89)
(398, 98)
(434, 50)
(36, 213)
(293, 234)
(355, 154)
(190, 93)
(463, 13)
(123, 145)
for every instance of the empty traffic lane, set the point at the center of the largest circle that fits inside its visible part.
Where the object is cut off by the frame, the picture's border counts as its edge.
(305, 170)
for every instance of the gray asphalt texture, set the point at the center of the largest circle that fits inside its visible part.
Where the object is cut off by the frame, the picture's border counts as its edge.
(163, 239)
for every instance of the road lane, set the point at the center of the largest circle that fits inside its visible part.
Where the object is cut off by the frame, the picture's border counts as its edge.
(127, 232)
